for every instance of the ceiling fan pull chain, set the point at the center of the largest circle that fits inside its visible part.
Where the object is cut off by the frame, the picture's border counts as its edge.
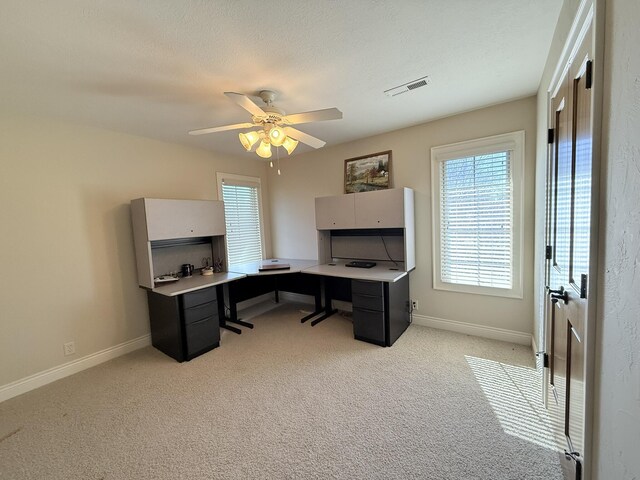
(278, 157)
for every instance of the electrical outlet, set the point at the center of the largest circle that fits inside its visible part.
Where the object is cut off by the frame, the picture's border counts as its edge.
(414, 305)
(69, 348)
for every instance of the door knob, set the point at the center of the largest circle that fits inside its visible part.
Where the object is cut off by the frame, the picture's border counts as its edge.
(564, 296)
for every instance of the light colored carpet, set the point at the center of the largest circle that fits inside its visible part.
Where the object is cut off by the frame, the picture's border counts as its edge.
(287, 400)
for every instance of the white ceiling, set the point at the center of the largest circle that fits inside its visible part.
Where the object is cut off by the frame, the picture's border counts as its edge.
(159, 68)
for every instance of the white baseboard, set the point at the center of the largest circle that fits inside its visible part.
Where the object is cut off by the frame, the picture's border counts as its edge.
(39, 379)
(505, 335)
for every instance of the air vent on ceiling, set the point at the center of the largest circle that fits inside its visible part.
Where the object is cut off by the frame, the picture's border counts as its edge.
(407, 87)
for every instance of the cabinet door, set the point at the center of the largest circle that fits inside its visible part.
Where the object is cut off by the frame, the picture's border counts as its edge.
(335, 212)
(380, 209)
(167, 219)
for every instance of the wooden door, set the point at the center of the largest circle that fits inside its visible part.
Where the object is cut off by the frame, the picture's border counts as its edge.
(571, 260)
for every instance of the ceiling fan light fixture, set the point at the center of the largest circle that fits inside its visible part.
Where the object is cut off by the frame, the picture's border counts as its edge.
(290, 144)
(277, 136)
(249, 139)
(264, 150)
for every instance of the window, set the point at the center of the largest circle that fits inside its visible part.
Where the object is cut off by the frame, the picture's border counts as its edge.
(477, 209)
(242, 212)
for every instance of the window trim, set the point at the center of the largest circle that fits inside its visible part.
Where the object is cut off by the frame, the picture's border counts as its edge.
(243, 180)
(513, 141)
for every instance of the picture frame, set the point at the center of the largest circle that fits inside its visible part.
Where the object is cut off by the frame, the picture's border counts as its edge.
(368, 172)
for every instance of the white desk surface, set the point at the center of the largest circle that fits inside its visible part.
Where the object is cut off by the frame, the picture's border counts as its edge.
(253, 268)
(195, 282)
(379, 273)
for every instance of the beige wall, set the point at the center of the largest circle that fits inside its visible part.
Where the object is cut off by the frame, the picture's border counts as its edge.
(321, 173)
(67, 249)
(617, 418)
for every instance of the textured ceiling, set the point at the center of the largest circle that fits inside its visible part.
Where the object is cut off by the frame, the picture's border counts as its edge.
(159, 68)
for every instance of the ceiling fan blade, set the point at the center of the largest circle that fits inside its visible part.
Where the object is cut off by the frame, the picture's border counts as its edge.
(304, 137)
(220, 129)
(315, 116)
(246, 103)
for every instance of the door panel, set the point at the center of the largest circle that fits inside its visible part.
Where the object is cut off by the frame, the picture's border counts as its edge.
(574, 428)
(581, 197)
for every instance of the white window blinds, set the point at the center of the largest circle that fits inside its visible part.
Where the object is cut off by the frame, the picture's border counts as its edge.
(476, 213)
(242, 215)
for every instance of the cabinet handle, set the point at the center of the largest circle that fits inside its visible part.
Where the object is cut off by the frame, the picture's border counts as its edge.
(368, 310)
(201, 321)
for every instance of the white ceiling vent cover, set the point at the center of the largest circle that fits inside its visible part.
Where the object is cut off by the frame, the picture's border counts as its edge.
(407, 87)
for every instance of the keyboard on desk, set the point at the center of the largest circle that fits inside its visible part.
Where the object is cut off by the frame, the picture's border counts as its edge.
(360, 264)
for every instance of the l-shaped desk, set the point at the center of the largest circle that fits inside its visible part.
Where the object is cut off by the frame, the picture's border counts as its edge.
(379, 295)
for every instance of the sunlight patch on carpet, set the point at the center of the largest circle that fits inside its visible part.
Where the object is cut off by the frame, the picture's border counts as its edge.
(514, 393)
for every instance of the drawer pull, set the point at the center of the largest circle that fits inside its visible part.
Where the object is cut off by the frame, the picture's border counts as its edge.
(204, 320)
(367, 310)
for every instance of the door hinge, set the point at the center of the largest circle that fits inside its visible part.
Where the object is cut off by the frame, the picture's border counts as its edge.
(583, 286)
(550, 136)
(545, 358)
(548, 252)
(575, 456)
(588, 81)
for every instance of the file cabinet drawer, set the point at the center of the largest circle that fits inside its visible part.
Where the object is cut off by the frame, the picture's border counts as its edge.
(198, 297)
(369, 302)
(202, 335)
(364, 287)
(369, 325)
(199, 312)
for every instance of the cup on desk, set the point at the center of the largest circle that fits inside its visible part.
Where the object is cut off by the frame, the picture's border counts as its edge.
(187, 270)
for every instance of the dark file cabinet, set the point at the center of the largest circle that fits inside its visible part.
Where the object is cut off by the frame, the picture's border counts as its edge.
(367, 299)
(185, 326)
(380, 310)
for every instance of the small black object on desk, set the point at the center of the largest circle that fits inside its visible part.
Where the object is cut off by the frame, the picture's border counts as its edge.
(360, 264)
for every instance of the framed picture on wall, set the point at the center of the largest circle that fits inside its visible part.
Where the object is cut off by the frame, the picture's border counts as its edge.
(367, 173)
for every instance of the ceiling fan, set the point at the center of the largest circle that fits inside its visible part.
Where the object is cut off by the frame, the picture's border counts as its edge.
(274, 125)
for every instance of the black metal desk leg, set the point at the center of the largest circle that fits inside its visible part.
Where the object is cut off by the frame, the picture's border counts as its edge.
(310, 316)
(328, 310)
(233, 310)
(221, 313)
(223, 324)
(318, 310)
(323, 317)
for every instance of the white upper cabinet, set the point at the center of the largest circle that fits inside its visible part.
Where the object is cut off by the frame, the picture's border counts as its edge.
(335, 212)
(380, 209)
(168, 219)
